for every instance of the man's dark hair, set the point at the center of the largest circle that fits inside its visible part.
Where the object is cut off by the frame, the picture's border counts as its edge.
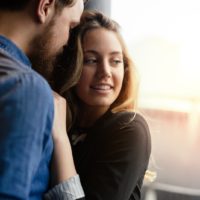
(14, 5)
(62, 3)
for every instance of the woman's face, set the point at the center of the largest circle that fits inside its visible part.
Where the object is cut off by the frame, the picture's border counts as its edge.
(103, 69)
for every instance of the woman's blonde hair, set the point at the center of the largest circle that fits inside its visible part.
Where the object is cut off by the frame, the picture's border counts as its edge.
(73, 60)
(128, 94)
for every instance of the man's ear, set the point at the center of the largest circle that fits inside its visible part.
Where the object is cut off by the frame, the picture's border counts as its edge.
(45, 9)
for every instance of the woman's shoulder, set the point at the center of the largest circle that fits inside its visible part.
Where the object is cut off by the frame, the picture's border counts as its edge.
(131, 124)
(128, 131)
(129, 119)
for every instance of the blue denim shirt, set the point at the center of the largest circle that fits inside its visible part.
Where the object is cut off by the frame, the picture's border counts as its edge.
(26, 116)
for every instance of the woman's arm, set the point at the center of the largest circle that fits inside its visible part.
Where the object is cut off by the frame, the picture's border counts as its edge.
(64, 178)
(62, 162)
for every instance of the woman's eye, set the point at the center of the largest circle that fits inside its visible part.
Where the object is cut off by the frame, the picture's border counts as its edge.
(90, 61)
(116, 61)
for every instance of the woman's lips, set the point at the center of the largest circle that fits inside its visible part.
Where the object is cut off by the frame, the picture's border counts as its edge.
(102, 87)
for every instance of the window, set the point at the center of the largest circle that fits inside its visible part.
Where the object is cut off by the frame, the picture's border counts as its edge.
(163, 37)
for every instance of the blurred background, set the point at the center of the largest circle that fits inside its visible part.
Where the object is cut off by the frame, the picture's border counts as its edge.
(163, 37)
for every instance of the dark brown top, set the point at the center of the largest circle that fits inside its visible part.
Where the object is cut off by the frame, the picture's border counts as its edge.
(112, 156)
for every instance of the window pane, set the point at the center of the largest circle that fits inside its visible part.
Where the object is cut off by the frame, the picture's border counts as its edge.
(163, 37)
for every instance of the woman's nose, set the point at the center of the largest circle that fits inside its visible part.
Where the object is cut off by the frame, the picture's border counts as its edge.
(104, 70)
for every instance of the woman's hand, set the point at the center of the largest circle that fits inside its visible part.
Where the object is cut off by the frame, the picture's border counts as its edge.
(62, 167)
(59, 124)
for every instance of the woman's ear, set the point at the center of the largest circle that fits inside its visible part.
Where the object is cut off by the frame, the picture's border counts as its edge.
(45, 9)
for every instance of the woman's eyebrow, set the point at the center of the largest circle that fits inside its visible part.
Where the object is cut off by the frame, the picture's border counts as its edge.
(91, 51)
(116, 53)
(96, 52)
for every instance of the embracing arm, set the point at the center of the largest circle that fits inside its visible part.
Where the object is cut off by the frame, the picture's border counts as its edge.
(64, 177)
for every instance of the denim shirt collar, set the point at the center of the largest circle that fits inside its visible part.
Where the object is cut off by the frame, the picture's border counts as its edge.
(8, 46)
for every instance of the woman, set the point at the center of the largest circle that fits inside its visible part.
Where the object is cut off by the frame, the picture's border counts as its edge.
(110, 140)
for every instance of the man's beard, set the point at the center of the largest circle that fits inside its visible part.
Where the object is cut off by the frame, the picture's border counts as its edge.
(43, 56)
(59, 67)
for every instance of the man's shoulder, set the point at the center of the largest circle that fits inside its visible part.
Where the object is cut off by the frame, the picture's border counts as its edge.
(14, 74)
(11, 66)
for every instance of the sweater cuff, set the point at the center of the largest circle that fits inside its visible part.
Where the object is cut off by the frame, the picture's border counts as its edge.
(70, 189)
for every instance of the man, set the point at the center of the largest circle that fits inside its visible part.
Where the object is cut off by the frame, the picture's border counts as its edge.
(37, 31)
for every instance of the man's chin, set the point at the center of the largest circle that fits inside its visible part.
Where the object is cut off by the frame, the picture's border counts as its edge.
(44, 63)
(43, 66)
